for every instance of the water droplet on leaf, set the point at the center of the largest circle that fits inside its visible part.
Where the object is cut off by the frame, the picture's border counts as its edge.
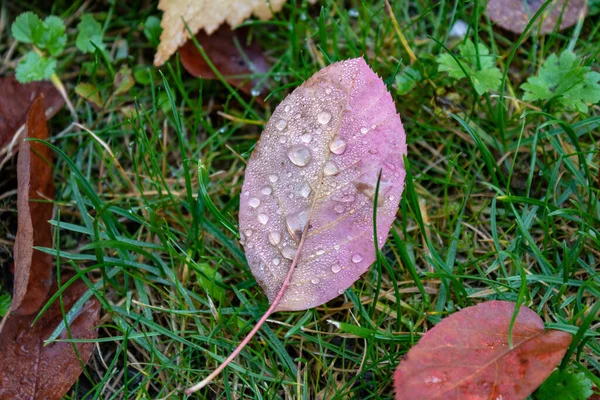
(324, 117)
(254, 202)
(299, 155)
(338, 146)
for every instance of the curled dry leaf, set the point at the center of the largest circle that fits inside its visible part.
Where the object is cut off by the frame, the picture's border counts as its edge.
(15, 99)
(514, 15)
(31, 370)
(235, 63)
(33, 269)
(207, 14)
(306, 209)
(467, 356)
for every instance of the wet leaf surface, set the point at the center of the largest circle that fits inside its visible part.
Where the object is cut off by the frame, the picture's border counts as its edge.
(232, 56)
(32, 371)
(467, 356)
(310, 185)
(33, 269)
(15, 99)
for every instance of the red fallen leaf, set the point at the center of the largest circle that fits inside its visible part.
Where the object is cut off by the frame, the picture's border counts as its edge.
(466, 356)
(33, 269)
(221, 49)
(15, 99)
(31, 370)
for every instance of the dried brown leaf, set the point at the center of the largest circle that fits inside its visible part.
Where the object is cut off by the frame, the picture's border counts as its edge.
(236, 66)
(15, 99)
(31, 370)
(33, 269)
(207, 14)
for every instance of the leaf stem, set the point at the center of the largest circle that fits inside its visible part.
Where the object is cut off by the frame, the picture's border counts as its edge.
(256, 328)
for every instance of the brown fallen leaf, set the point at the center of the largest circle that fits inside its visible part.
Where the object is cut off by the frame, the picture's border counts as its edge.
(15, 99)
(33, 269)
(31, 370)
(207, 14)
(467, 356)
(233, 64)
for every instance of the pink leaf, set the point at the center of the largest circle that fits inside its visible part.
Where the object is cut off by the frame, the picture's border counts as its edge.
(313, 175)
(467, 356)
(306, 209)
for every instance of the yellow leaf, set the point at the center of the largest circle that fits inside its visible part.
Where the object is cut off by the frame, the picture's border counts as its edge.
(207, 14)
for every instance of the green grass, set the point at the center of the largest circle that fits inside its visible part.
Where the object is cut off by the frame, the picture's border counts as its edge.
(501, 203)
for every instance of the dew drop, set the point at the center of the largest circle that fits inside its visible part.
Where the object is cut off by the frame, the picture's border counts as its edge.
(288, 253)
(281, 124)
(330, 168)
(324, 117)
(320, 252)
(262, 266)
(287, 109)
(282, 139)
(248, 232)
(336, 268)
(337, 247)
(305, 191)
(263, 218)
(255, 91)
(364, 130)
(315, 280)
(296, 223)
(289, 174)
(274, 238)
(273, 178)
(299, 155)
(356, 258)
(266, 190)
(337, 146)
(254, 202)
(391, 198)
(344, 199)
(339, 208)
(306, 138)
(276, 261)
(340, 291)
(328, 91)
(373, 126)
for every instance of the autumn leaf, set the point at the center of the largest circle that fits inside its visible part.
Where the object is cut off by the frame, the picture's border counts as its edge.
(15, 99)
(467, 356)
(33, 268)
(207, 15)
(514, 15)
(306, 209)
(232, 56)
(31, 370)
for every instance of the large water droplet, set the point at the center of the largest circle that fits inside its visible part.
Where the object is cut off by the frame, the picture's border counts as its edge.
(306, 138)
(262, 266)
(273, 178)
(315, 280)
(276, 261)
(305, 191)
(281, 124)
(299, 155)
(266, 190)
(248, 232)
(296, 223)
(254, 202)
(323, 117)
(328, 91)
(337, 146)
(330, 168)
(287, 109)
(288, 253)
(274, 238)
(336, 268)
(364, 130)
(263, 218)
(356, 258)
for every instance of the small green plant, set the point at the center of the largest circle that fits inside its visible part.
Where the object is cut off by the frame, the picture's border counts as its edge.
(565, 81)
(477, 64)
(48, 38)
(565, 385)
